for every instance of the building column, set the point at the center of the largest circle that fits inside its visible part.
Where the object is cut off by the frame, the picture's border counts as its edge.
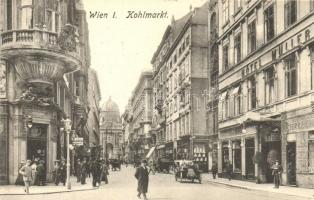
(243, 163)
(230, 152)
(219, 149)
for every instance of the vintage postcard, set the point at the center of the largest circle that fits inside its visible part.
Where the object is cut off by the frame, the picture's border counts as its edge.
(157, 99)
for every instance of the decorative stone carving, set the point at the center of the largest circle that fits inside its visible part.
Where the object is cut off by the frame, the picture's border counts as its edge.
(68, 38)
(3, 80)
(29, 96)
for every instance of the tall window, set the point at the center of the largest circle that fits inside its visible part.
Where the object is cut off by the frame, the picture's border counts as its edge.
(290, 12)
(26, 11)
(237, 48)
(225, 11)
(237, 5)
(53, 15)
(291, 76)
(252, 36)
(269, 85)
(225, 58)
(9, 14)
(269, 23)
(252, 93)
(237, 101)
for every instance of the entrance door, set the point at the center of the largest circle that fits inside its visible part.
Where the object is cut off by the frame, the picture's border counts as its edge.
(291, 163)
(249, 154)
(37, 143)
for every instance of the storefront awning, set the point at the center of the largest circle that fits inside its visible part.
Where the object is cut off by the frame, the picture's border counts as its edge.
(150, 152)
(161, 146)
(251, 117)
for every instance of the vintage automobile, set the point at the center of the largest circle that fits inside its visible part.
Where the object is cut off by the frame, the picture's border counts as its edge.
(164, 165)
(186, 170)
(115, 164)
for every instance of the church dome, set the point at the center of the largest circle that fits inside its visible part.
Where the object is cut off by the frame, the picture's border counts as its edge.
(110, 114)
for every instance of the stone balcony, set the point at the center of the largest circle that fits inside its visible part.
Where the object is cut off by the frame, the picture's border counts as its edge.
(40, 57)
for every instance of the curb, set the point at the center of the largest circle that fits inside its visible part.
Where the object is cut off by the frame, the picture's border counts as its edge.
(260, 190)
(52, 192)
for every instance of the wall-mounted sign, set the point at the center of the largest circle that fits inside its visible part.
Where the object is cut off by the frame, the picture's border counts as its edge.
(78, 141)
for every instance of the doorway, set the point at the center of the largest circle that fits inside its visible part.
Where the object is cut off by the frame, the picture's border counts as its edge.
(249, 154)
(37, 143)
(291, 163)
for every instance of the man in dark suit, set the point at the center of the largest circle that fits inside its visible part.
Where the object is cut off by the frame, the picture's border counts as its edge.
(142, 177)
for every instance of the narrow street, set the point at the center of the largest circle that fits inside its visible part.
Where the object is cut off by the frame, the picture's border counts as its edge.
(122, 186)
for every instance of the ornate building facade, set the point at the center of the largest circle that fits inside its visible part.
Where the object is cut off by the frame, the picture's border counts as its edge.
(180, 68)
(111, 136)
(139, 118)
(44, 57)
(266, 89)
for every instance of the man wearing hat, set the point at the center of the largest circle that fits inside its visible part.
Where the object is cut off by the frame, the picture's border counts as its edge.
(277, 171)
(41, 173)
(78, 170)
(26, 171)
(142, 177)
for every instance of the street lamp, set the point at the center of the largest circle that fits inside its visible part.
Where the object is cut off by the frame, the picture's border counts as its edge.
(68, 124)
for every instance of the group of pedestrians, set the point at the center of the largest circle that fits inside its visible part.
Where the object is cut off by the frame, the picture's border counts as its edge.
(98, 168)
(31, 173)
(59, 172)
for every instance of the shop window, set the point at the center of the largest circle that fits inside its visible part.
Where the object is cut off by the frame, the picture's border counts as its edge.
(291, 75)
(237, 48)
(269, 23)
(225, 154)
(225, 11)
(225, 59)
(252, 36)
(269, 85)
(290, 12)
(236, 156)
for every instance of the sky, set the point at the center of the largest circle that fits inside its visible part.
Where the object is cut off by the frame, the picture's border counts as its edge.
(121, 47)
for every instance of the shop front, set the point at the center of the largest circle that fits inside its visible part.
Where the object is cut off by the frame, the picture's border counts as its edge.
(169, 150)
(298, 148)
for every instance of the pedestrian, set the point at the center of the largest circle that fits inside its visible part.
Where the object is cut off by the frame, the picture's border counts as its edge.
(229, 170)
(214, 170)
(63, 171)
(142, 177)
(56, 172)
(104, 172)
(78, 170)
(84, 171)
(277, 171)
(95, 169)
(34, 172)
(19, 179)
(151, 167)
(41, 171)
(26, 171)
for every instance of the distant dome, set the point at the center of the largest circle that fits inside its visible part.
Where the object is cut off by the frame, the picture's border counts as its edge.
(110, 106)
(110, 114)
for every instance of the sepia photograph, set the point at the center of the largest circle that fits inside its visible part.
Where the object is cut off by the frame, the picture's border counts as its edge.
(157, 99)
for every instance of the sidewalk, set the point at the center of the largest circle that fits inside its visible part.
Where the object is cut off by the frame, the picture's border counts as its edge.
(50, 188)
(287, 190)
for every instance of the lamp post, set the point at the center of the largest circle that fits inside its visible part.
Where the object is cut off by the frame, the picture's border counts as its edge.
(68, 123)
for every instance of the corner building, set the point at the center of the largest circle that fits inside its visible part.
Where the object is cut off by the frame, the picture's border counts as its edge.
(266, 74)
(180, 77)
(43, 79)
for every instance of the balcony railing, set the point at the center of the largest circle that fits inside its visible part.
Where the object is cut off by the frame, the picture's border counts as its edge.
(29, 36)
(33, 38)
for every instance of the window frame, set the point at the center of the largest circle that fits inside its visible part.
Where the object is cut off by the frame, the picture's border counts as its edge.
(289, 21)
(269, 20)
(270, 96)
(291, 71)
(237, 48)
(225, 11)
(252, 42)
(225, 57)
